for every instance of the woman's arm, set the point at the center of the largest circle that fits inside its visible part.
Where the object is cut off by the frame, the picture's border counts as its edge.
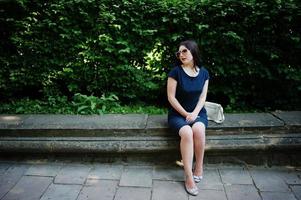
(171, 95)
(192, 116)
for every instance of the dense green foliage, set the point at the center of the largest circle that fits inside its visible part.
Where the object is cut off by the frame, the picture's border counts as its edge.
(80, 104)
(124, 49)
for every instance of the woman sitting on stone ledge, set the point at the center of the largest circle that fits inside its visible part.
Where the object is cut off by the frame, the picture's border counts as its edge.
(187, 87)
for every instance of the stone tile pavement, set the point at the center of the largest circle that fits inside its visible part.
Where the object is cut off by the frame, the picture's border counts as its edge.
(44, 179)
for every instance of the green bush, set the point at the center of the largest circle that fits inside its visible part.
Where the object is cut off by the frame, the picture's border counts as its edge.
(59, 48)
(80, 104)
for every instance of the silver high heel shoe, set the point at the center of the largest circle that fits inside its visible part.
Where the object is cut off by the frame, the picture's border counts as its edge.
(197, 179)
(192, 191)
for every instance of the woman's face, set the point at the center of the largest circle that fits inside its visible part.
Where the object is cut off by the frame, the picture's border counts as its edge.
(184, 55)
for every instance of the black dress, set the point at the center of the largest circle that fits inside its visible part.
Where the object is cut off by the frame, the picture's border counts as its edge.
(188, 92)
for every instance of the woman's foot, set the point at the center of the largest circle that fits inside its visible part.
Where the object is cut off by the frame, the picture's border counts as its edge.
(198, 175)
(197, 179)
(191, 187)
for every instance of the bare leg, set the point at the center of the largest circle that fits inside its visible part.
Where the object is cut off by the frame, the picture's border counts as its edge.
(186, 146)
(199, 146)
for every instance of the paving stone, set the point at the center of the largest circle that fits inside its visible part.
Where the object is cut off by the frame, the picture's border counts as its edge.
(111, 172)
(138, 176)
(168, 173)
(277, 196)
(209, 194)
(245, 192)
(292, 118)
(98, 189)
(236, 176)
(168, 190)
(73, 174)
(133, 193)
(249, 120)
(269, 180)
(120, 121)
(61, 192)
(211, 180)
(297, 191)
(11, 177)
(4, 167)
(56, 121)
(29, 188)
(291, 177)
(43, 170)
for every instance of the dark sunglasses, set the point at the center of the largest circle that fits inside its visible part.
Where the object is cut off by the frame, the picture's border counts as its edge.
(184, 51)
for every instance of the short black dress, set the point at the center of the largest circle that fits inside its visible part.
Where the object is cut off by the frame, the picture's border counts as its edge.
(188, 92)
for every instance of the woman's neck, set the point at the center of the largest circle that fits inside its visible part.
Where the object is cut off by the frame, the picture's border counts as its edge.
(188, 65)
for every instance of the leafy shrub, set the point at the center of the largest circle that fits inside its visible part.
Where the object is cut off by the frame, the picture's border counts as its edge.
(91, 104)
(81, 104)
(60, 48)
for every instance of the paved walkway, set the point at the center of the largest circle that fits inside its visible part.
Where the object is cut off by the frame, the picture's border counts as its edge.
(44, 179)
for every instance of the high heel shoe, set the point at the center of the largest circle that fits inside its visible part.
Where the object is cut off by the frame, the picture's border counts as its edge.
(197, 179)
(192, 191)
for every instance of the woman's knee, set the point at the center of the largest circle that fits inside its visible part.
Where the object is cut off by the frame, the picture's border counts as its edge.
(186, 133)
(198, 129)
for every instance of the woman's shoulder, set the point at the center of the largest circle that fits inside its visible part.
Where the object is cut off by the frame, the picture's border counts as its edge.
(175, 72)
(204, 71)
(175, 68)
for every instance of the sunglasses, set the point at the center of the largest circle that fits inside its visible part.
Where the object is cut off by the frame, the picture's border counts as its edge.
(184, 51)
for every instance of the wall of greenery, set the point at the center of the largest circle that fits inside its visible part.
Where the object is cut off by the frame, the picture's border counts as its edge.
(251, 48)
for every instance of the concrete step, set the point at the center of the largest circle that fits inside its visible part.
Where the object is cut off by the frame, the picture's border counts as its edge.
(254, 136)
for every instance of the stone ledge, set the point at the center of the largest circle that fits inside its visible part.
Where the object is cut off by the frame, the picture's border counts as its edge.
(147, 134)
(145, 144)
(118, 124)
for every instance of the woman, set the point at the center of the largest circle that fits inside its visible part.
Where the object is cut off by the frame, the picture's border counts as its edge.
(187, 87)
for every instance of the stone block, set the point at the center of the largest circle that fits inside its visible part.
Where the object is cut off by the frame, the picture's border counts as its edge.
(290, 118)
(43, 170)
(29, 188)
(133, 193)
(169, 190)
(235, 176)
(277, 196)
(11, 176)
(239, 192)
(168, 173)
(136, 176)
(211, 180)
(106, 171)
(72, 174)
(58, 191)
(297, 190)
(269, 180)
(210, 194)
(98, 189)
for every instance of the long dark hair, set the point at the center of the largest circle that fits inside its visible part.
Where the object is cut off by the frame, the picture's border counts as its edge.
(192, 46)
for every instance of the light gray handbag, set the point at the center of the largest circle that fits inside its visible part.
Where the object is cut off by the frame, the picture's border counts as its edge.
(215, 112)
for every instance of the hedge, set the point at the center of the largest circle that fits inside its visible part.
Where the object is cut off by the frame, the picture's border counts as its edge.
(125, 48)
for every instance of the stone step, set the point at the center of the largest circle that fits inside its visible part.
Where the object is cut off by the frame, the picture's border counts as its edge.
(264, 133)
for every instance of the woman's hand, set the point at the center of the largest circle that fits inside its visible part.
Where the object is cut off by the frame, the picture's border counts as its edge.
(191, 117)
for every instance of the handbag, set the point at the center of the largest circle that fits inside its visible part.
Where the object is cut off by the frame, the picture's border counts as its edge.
(215, 112)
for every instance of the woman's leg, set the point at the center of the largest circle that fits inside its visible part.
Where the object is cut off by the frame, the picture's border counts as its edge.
(186, 146)
(199, 146)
